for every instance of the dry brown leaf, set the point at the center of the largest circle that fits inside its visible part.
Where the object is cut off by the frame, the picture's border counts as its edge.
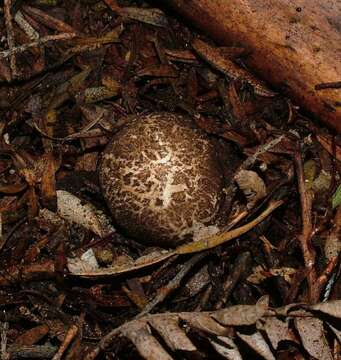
(258, 344)
(86, 262)
(252, 186)
(332, 308)
(215, 58)
(276, 323)
(239, 315)
(140, 335)
(312, 336)
(75, 210)
(32, 335)
(162, 70)
(332, 245)
(204, 322)
(336, 331)
(48, 182)
(226, 348)
(128, 265)
(154, 17)
(277, 330)
(327, 142)
(172, 334)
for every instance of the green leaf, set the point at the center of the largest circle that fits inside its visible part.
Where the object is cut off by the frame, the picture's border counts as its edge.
(336, 200)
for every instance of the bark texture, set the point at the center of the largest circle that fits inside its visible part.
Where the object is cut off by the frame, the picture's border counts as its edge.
(295, 45)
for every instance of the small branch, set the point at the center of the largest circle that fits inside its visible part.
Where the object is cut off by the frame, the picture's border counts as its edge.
(69, 336)
(48, 20)
(10, 35)
(225, 236)
(171, 286)
(307, 230)
(328, 85)
(40, 42)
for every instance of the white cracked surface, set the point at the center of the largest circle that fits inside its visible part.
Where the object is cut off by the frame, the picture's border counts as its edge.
(161, 179)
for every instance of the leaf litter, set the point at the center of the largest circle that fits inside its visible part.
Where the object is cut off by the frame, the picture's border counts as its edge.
(72, 74)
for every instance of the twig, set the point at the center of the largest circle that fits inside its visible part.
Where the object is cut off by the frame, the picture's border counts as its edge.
(241, 265)
(171, 286)
(41, 41)
(328, 85)
(48, 20)
(307, 230)
(69, 336)
(3, 346)
(10, 35)
(221, 238)
(261, 150)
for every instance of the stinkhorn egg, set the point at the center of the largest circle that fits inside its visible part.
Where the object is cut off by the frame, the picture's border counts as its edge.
(161, 178)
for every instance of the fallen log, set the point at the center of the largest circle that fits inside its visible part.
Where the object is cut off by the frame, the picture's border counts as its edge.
(294, 45)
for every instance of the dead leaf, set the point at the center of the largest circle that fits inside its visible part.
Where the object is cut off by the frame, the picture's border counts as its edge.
(327, 142)
(214, 57)
(146, 344)
(278, 330)
(277, 323)
(75, 210)
(87, 262)
(129, 265)
(161, 70)
(99, 93)
(258, 344)
(252, 186)
(154, 17)
(226, 348)
(171, 333)
(312, 335)
(242, 314)
(332, 308)
(32, 336)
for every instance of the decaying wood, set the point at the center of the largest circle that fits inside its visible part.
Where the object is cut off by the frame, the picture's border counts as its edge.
(293, 45)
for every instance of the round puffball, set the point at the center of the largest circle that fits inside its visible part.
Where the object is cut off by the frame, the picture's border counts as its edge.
(161, 178)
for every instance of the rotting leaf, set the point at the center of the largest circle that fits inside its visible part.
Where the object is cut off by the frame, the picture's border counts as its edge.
(312, 335)
(95, 94)
(150, 16)
(162, 70)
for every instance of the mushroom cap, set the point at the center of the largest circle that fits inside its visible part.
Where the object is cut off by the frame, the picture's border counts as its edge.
(161, 178)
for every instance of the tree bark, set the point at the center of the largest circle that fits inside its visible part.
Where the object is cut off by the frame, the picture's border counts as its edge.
(295, 45)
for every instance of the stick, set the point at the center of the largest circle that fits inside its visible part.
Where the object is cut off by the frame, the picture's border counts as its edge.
(41, 41)
(307, 230)
(10, 35)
